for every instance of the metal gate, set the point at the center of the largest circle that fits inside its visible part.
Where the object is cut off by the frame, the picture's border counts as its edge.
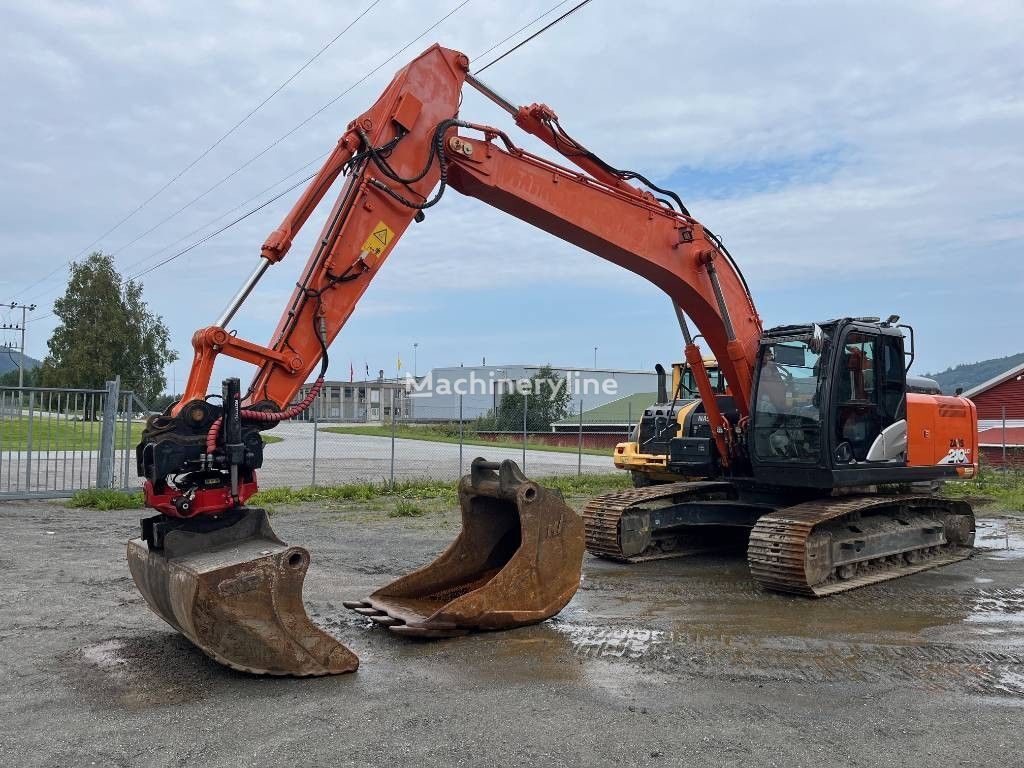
(54, 442)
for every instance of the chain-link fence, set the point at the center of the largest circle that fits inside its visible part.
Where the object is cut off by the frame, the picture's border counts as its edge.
(54, 442)
(388, 444)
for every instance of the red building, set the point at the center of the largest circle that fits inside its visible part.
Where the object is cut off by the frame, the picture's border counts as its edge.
(1000, 403)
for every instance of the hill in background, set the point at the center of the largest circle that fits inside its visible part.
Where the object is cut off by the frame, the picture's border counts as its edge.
(969, 375)
(9, 361)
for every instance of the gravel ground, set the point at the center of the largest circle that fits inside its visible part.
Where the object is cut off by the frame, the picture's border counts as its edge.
(677, 662)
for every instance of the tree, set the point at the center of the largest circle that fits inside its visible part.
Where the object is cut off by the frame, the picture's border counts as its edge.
(105, 330)
(547, 401)
(10, 379)
(161, 402)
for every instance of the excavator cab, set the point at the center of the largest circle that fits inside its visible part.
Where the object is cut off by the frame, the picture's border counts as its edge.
(832, 406)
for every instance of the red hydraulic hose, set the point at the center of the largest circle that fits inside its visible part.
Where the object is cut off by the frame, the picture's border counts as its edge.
(266, 416)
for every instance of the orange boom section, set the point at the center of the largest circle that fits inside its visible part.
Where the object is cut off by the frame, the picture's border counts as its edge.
(360, 232)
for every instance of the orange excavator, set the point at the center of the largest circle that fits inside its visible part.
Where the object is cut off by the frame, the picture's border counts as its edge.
(819, 450)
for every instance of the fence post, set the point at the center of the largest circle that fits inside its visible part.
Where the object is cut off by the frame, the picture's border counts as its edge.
(1004, 438)
(525, 396)
(459, 473)
(629, 418)
(105, 466)
(129, 407)
(393, 425)
(579, 451)
(316, 428)
(28, 436)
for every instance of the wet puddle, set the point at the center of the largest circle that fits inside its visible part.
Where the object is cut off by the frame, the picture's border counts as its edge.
(1000, 539)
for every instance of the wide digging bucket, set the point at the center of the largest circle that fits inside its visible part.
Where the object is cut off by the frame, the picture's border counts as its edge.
(233, 588)
(517, 561)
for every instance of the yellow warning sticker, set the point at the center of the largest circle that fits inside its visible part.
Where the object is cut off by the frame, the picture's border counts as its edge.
(379, 239)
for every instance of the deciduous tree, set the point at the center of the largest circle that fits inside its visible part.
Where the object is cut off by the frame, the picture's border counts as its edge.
(105, 330)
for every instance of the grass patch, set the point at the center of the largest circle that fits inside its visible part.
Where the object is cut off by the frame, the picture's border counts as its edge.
(413, 489)
(60, 434)
(1004, 490)
(406, 509)
(437, 435)
(418, 490)
(106, 499)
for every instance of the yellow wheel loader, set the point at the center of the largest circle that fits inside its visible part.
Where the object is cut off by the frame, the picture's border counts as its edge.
(646, 454)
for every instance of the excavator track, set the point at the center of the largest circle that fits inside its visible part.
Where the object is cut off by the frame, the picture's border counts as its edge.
(827, 546)
(604, 516)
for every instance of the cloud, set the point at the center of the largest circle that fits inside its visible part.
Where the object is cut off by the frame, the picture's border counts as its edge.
(831, 146)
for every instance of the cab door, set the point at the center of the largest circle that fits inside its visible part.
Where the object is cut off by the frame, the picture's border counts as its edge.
(868, 422)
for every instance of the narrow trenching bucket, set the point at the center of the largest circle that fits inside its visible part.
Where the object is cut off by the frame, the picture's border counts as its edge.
(517, 561)
(233, 588)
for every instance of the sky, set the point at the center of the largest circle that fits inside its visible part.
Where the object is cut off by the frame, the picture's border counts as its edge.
(857, 158)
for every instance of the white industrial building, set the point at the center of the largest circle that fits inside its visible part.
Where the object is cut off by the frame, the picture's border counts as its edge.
(435, 396)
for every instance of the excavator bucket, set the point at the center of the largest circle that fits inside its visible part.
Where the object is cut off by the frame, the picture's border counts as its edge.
(517, 561)
(233, 588)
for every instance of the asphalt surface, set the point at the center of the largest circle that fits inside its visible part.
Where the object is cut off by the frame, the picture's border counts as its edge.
(347, 458)
(674, 662)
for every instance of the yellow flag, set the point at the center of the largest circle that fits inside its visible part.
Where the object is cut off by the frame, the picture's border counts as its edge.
(399, 363)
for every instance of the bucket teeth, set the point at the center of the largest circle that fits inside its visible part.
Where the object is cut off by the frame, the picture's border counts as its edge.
(368, 611)
(235, 591)
(517, 561)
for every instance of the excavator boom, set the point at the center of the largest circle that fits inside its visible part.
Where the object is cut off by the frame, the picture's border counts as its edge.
(215, 570)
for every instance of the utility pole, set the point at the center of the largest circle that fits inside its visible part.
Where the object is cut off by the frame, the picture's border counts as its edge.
(415, 347)
(595, 358)
(25, 309)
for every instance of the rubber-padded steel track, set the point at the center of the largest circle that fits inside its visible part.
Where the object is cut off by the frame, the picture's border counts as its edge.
(781, 560)
(603, 514)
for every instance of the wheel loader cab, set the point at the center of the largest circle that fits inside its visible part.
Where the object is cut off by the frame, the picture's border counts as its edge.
(829, 406)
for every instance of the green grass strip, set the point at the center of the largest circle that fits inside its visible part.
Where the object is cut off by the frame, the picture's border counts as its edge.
(429, 435)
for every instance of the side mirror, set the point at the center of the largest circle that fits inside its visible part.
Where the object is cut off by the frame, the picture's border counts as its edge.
(817, 342)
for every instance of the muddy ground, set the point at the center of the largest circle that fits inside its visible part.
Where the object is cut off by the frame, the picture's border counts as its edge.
(678, 662)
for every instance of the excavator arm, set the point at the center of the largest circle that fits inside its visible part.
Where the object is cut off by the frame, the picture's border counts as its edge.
(215, 570)
(397, 160)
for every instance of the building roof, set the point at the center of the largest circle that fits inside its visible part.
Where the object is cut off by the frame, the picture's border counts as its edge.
(995, 381)
(622, 411)
(994, 436)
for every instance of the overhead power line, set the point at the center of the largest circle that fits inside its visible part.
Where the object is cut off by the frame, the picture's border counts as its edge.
(212, 146)
(234, 127)
(207, 237)
(206, 224)
(538, 33)
(504, 40)
(281, 194)
(285, 135)
(301, 124)
(226, 227)
(228, 212)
